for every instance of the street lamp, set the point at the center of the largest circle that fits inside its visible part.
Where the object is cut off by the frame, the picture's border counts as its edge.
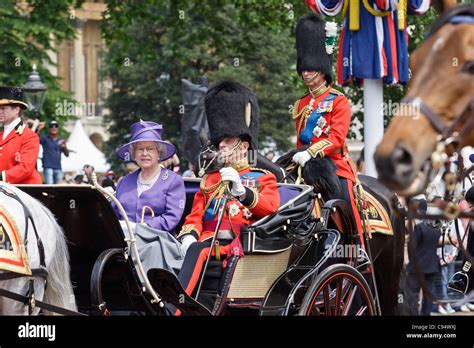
(34, 91)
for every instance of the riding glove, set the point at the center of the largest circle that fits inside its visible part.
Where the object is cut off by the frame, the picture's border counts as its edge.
(186, 242)
(231, 175)
(302, 157)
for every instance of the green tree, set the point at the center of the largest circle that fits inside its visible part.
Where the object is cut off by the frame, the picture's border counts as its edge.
(152, 46)
(28, 31)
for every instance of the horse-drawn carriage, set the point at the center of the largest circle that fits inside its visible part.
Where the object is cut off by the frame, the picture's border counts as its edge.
(291, 264)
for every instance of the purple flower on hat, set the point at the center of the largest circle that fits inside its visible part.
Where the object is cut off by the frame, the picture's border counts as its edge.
(146, 131)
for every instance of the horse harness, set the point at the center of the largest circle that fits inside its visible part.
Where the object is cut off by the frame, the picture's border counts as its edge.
(449, 141)
(448, 137)
(29, 298)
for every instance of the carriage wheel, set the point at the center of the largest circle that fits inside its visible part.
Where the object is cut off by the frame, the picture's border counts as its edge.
(340, 290)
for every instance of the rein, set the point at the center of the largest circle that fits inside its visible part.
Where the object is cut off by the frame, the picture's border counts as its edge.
(445, 131)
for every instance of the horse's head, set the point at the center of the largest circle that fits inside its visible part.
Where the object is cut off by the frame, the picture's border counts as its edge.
(437, 104)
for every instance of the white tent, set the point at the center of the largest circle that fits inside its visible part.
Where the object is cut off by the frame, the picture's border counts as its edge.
(82, 151)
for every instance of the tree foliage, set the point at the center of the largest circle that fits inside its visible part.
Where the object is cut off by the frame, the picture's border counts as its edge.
(28, 31)
(152, 45)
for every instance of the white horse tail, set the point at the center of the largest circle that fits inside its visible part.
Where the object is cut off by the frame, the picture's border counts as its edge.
(59, 288)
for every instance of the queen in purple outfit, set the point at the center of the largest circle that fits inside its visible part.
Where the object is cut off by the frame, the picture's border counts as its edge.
(152, 194)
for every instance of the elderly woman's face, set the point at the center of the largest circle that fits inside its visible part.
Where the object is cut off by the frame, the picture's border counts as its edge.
(146, 154)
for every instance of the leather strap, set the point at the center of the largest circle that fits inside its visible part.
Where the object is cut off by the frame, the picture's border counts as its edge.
(29, 217)
(438, 124)
(39, 304)
(37, 272)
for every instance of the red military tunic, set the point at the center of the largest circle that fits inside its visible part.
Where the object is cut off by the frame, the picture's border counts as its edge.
(331, 142)
(18, 155)
(262, 198)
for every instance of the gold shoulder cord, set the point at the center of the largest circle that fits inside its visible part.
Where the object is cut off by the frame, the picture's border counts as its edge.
(217, 190)
(296, 114)
(335, 91)
(303, 119)
(205, 188)
(261, 170)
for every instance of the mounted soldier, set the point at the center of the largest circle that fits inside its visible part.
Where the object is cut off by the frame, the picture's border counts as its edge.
(323, 116)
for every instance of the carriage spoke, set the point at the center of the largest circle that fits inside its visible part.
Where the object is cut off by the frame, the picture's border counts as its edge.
(361, 311)
(339, 297)
(327, 307)
(348, 304)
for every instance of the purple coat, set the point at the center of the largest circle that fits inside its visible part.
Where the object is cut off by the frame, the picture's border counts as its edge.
(166, 197)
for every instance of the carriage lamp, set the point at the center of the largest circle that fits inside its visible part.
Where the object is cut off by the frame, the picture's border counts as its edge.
(35, 91)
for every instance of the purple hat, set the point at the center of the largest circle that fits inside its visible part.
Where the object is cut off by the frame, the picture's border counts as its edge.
(146, 131)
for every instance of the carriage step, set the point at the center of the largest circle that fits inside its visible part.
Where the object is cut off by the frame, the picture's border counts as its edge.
(168, 286)
(273, 311)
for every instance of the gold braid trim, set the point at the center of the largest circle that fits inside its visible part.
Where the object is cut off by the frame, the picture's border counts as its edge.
(218, 193)
(205, 188)
(307, 112)
(296, 114)
(188, 229)
(318, 148)
(240, 165)
(335, 91)
(260, 170)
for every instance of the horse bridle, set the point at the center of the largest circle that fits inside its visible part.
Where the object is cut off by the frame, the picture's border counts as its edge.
(449, 141)
(446, 131)
(29, 299)
(28, 218)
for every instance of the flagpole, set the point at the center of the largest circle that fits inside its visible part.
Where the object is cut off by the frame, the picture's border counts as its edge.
(373, 122)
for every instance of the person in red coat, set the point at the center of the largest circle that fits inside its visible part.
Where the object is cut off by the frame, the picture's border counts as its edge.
(323, 116)
(19, 145)
(232, 114)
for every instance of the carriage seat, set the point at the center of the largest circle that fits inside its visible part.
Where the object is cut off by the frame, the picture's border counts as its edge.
(275, 169)
(265, 235)
(268, 235)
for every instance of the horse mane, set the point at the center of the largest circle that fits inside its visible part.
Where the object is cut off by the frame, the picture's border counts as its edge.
(59, 289)
(318, 172)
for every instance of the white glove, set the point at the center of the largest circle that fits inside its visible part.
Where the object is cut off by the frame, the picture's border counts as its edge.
(302, 157)
(186, 242)
(231, 175)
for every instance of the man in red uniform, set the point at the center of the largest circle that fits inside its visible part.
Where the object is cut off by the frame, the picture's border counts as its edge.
(232, 113)
(323, 116)
(19, 145)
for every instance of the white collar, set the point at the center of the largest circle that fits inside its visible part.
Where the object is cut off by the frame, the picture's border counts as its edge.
(9, 127)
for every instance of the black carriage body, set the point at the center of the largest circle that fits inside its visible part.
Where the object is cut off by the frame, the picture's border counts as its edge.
(284, 253)
(96, 249)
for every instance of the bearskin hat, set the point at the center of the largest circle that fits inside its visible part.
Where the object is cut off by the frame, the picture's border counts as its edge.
(310, 46)
(232, 111)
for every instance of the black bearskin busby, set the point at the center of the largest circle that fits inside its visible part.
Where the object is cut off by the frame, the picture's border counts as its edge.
(12, 96)
(232, 111)
(310, 46)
